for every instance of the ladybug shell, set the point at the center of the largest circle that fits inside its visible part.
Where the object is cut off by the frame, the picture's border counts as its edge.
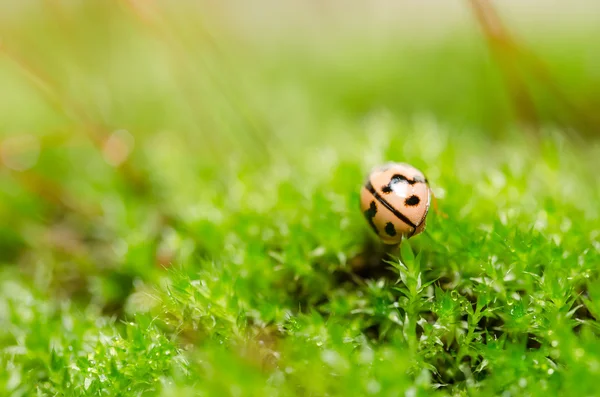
(395, 200)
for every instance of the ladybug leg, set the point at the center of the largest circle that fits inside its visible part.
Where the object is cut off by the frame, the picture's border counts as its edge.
(436, 208)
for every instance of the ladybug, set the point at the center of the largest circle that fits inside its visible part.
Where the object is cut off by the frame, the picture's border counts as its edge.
(395, 201)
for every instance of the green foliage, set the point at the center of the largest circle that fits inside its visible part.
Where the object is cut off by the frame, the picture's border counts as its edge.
(227, 255)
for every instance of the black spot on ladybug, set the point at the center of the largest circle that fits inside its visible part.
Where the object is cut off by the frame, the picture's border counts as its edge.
(386, 189)
(412, 201)
(401, 178)
(370, 214)
(397, 178)
(390, 229)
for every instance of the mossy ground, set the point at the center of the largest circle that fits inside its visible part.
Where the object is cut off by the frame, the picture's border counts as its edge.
(191, 223)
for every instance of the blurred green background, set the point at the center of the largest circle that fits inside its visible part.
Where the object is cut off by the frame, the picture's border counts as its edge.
(178, 196)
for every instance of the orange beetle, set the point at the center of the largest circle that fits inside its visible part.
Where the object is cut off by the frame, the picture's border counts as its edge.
(395, 201)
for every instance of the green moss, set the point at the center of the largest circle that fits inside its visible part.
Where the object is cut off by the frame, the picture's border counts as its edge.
(228, 256)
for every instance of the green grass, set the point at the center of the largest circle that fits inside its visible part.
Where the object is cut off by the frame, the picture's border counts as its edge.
(228, 256)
